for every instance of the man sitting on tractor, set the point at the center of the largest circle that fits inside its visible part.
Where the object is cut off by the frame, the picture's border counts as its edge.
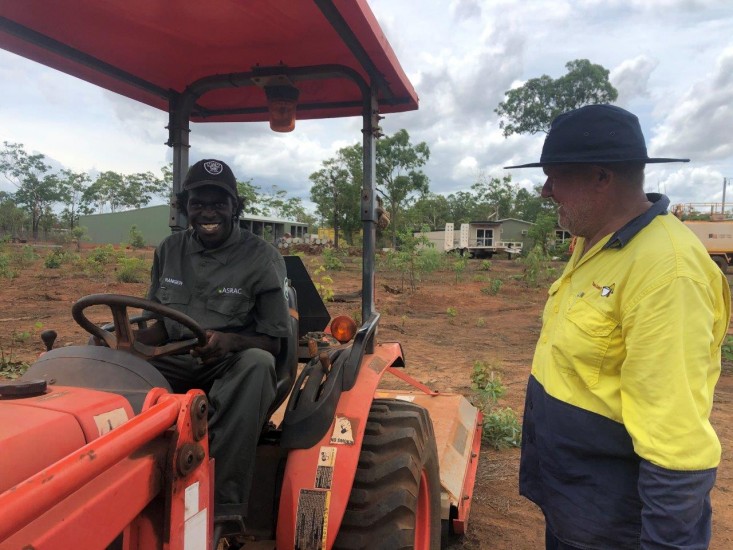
(233, 284)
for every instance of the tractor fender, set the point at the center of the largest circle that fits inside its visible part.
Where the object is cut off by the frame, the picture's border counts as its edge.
(318, 480)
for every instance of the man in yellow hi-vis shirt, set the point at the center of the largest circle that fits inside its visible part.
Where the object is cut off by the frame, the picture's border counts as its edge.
(617, 447)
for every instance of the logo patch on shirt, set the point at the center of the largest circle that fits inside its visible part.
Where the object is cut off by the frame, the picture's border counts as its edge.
(228, 290)
(606, 291)
(173, 281)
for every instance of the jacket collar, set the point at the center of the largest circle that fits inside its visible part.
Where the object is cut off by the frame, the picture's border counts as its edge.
(658, 208)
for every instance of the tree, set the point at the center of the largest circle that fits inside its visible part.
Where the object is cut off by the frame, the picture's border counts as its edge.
(38, 190)
(528, 206)
(278, 204)
(72, 185)
(249, 192)
(124, 191)
(336, 190)
(47, 221)
(530, 108)
(430, 210)
(398, 174)
(12, 218)
(462, 207)
(494, 197)
(543, 231)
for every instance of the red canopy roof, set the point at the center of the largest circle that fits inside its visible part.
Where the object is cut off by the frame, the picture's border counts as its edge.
(152, 50)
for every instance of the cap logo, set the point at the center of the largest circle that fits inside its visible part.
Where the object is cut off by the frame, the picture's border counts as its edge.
(214, 168)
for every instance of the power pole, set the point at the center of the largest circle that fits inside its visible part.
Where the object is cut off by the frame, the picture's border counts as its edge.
(722, 207)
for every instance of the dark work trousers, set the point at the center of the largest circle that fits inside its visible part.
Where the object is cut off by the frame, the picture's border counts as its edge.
(552, 542)
(241, 390)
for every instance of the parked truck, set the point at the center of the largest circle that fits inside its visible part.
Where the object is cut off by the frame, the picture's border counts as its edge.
(717, 236)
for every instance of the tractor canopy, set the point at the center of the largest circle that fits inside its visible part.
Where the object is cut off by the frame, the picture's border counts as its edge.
(153, 50)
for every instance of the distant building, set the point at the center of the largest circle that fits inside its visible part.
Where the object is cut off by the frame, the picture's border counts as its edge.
(152, 222)
(482, 238)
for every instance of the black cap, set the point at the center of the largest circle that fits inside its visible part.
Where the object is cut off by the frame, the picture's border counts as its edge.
(595, 134)
(211, 172)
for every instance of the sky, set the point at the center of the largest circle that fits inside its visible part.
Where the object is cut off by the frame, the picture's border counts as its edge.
(670, 60)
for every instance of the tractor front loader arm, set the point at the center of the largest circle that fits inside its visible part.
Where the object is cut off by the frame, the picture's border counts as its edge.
(147, 483)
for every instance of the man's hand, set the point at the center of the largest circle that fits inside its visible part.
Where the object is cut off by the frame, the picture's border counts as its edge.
(218, 346)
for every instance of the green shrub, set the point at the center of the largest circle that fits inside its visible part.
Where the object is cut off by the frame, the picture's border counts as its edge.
(502, 428)
(79, 234)
(58, 257)
(9, 366)
(429, 260)
(536, 267)
(494, 287)
(5, 271)
(136, 238)
(459, 266)
(485, 265)
(25, 257)
(133, 270)
(323, 283)
(413, 259)
(104, 255)
(451, 312)
(331, 260)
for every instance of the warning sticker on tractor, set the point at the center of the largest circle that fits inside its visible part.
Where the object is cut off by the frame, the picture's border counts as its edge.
(191, 501)
(342, 431)
(377, 364)
(324, 470)
(311, 528)
(106, 422)
(409, 398)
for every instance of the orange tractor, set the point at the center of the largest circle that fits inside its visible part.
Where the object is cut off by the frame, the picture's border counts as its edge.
(96, 450)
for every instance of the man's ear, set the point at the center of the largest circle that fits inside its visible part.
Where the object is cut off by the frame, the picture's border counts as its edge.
(603, 177)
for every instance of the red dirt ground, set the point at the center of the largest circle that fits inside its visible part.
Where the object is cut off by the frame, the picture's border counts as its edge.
(440, 350)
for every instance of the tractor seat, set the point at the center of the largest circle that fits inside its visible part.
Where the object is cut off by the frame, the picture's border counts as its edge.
(286, 361)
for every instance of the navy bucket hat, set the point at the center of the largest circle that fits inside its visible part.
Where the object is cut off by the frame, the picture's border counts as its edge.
(595, 134)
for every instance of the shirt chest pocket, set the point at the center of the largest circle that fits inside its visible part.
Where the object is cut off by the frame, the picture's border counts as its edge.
(176, 298)
(583, 341)
(231, 310)
(173, 296)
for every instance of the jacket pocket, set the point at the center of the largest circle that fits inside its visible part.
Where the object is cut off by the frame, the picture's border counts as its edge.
(584, 341)
(233, 309)
(170, 296)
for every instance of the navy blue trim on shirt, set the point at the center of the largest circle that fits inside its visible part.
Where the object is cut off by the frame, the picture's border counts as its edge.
(658, 208)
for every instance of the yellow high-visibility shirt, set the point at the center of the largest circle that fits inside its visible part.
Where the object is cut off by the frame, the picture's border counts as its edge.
(633, 333)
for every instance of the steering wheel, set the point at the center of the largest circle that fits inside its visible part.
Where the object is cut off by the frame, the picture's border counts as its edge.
(123, 337)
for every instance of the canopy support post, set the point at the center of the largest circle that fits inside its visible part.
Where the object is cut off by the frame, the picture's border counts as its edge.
(369, 208)
(178, 134)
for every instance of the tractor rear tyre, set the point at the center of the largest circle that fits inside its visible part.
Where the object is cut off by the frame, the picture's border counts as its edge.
(395, 501)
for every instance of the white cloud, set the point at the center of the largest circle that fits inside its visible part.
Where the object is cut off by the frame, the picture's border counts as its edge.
(631, 78)
(701, 123)
(465, 9)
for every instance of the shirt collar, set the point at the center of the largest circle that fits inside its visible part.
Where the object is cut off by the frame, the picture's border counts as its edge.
(220, 253)
(658, 208)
